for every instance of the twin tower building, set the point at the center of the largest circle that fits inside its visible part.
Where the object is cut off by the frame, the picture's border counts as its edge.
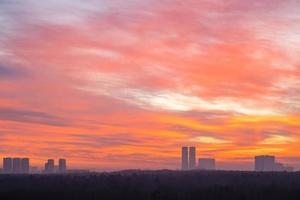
(188, 156)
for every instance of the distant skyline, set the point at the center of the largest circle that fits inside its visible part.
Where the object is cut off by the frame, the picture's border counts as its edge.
(114, 84)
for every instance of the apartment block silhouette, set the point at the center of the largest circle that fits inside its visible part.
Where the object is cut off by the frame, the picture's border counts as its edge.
(17, 166)
(207, 164)
(267, 163)
(264, 163)
(184, 158)
(192, 158)
(25, 165)
(188, 158)
(49, 166)
(7, 165)
(62, 165)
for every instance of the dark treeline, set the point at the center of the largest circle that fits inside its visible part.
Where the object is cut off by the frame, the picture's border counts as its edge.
(146, 185)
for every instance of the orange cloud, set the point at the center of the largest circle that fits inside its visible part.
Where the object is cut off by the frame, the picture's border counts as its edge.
(126, 84)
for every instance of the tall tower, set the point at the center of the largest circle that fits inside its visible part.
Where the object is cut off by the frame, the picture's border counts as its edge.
(192, 157)
(62, 165)
(25, 165)
(49, 166)
(184, 158)
(7, 165)
(17, 166)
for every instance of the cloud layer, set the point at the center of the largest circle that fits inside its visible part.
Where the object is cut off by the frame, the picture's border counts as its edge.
(114, 84)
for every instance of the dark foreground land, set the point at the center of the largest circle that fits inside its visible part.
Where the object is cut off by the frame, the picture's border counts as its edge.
(146, 185)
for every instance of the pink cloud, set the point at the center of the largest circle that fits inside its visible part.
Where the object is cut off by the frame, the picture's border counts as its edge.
(150, 76)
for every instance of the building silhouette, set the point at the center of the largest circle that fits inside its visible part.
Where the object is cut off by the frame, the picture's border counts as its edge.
(188, 158)
(267, 163)
(17, 166)
(49, 166)
(207, 164)
(192, 158)
(264, 163)
(22, 166)
(62, 165)
(7, 165)
(25, 165)
(184, 158)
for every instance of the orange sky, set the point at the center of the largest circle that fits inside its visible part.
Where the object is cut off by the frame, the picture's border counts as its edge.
(113, 84)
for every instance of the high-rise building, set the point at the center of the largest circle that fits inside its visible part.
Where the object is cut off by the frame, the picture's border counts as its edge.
(265, 163)
(49, 166)
(46, 170)
(207, 164)
(269, 163)
(7, 165)
(25, 165)
(259, 163)
(192, 157)
(184, 158)
(17, 165)
(62, 165)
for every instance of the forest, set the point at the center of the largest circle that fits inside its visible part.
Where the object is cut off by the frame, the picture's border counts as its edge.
(152, 185)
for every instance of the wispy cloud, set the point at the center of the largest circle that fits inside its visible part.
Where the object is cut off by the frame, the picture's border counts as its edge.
(209, 140)
(134, 80)
(278, 139)
(26, 116)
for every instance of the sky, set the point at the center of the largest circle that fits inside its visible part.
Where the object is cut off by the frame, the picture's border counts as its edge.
(114, 84)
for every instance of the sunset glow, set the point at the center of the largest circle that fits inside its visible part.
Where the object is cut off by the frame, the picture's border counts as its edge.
(115, 84)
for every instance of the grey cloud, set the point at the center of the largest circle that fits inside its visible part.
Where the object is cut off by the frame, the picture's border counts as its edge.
(28, 116)
(117, 139)
(12, 72)
(7, 72)
(16, 12)
(109, 140)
